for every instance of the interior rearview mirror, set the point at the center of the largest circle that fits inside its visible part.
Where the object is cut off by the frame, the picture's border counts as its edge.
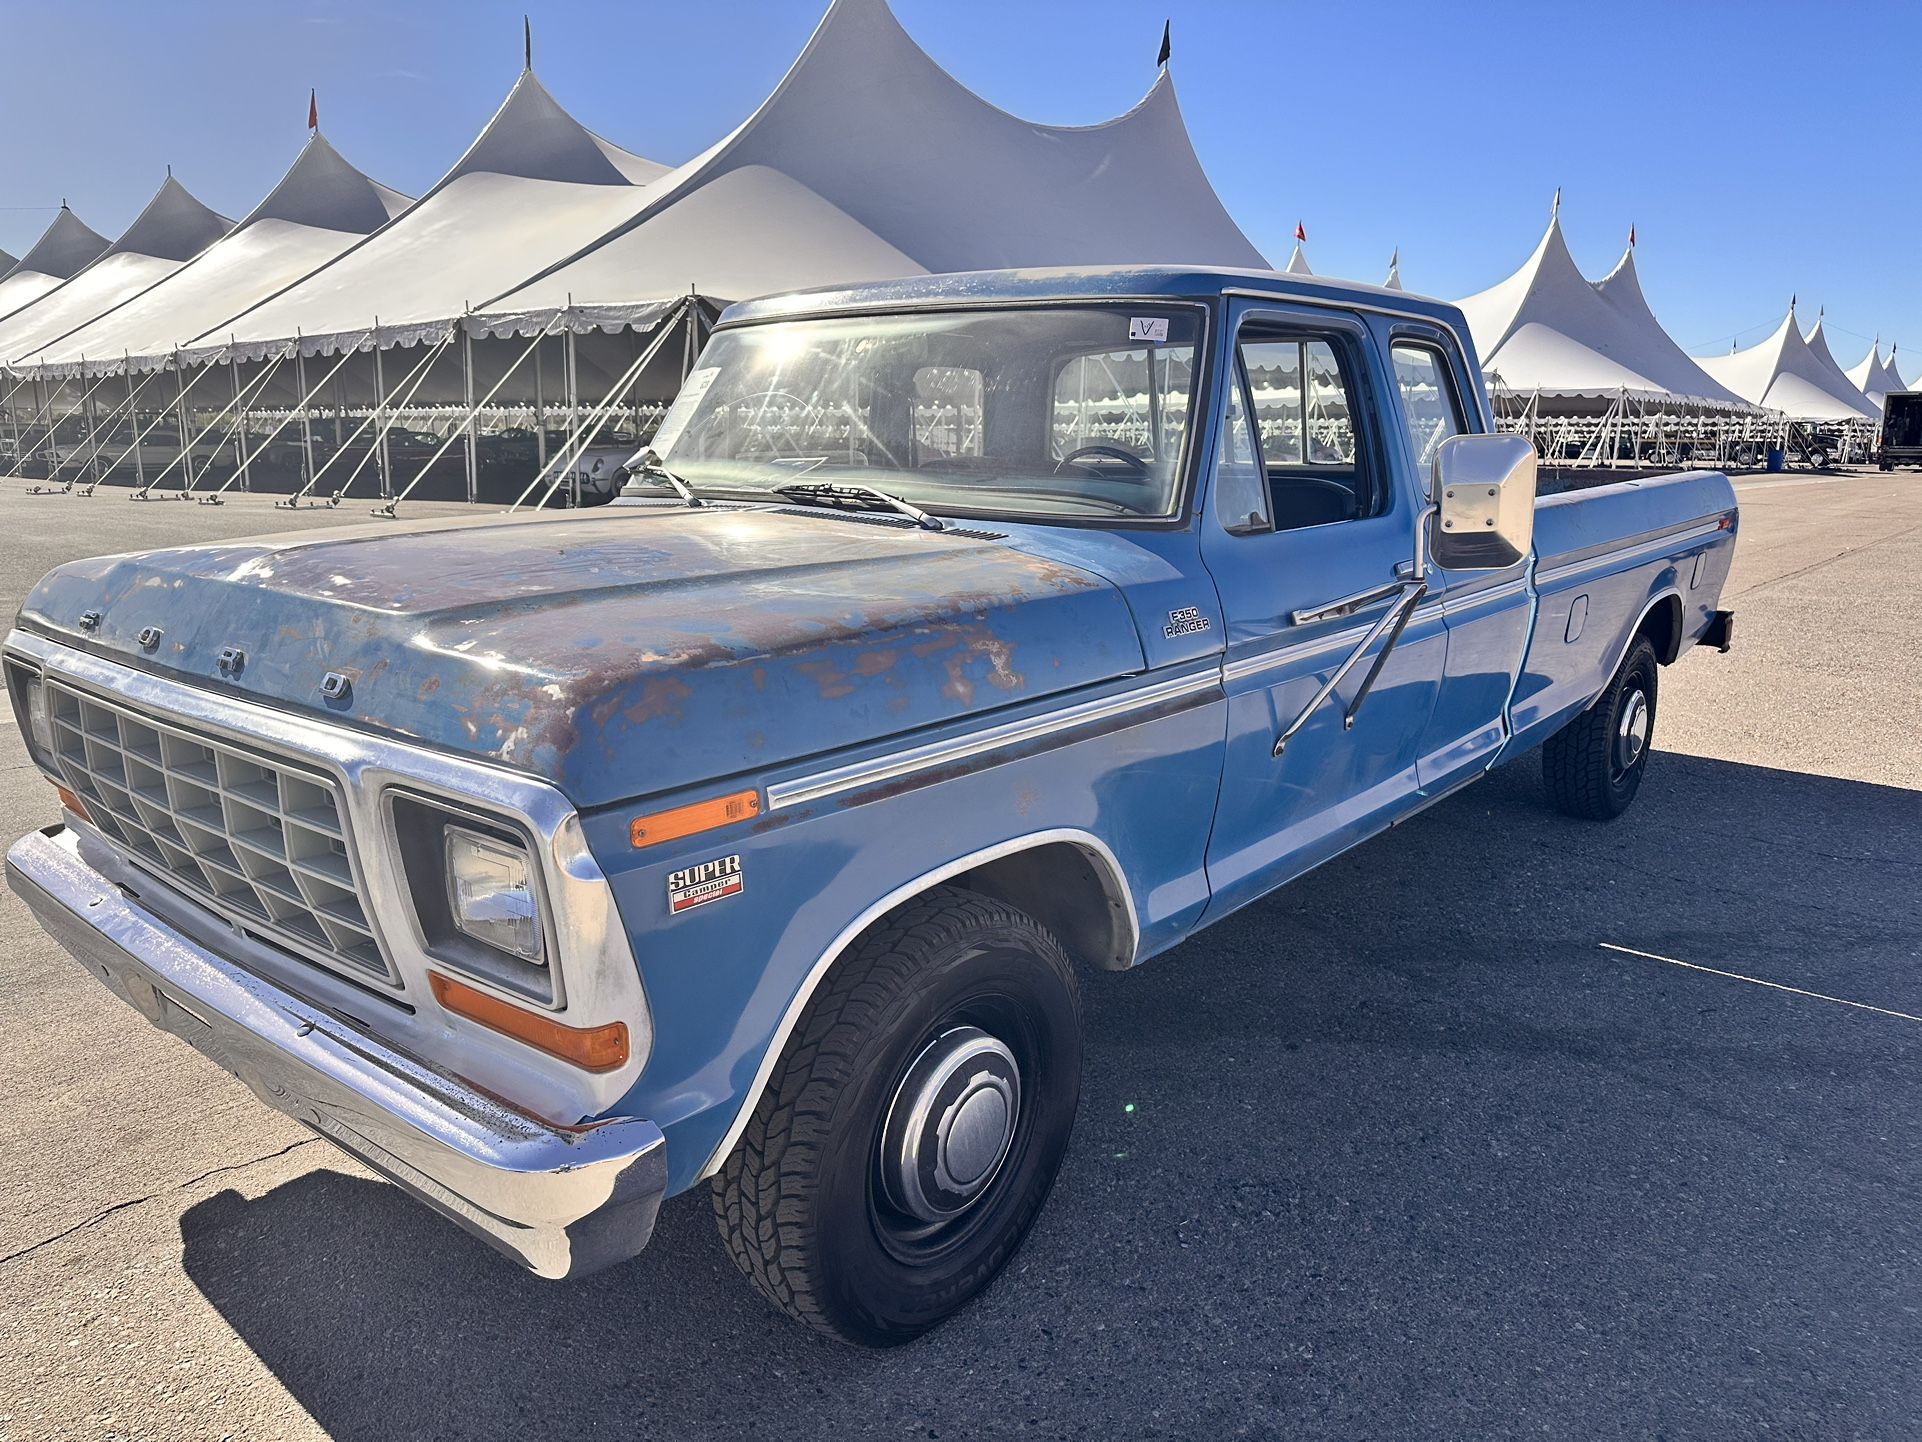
(1485, 492)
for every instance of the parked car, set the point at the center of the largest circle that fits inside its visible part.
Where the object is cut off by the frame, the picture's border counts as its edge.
(959, 641)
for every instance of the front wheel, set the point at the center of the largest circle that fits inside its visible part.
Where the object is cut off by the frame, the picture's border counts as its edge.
(914, 1124)
(1593, 766)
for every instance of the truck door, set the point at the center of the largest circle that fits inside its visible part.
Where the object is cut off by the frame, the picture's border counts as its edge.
(1308, 530)
(1487, 613)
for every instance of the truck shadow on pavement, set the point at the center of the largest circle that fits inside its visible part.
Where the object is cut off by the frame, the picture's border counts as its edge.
(1401, 1151)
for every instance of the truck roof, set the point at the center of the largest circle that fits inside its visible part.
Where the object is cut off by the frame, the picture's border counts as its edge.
(1090, 283)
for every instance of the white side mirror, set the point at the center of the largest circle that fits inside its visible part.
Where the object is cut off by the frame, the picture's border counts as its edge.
(1484, 488)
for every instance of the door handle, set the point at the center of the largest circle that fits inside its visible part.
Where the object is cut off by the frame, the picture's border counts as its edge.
(1390, 624)
(1347, 605)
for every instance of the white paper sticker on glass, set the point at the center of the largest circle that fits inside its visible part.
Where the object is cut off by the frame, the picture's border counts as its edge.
(1148, 327)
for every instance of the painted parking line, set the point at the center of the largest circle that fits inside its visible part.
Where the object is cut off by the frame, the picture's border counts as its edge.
(1757, 981)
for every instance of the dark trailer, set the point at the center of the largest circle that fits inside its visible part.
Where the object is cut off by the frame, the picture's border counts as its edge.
(1902, 429)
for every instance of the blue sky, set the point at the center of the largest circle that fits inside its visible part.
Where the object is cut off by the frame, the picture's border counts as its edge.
(1756, 157)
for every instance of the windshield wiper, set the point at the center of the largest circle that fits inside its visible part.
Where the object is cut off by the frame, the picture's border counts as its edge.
(860, 498)
(647, 462)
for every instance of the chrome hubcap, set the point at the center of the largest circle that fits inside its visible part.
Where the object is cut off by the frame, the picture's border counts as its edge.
(950, 1124)
(1632, 734)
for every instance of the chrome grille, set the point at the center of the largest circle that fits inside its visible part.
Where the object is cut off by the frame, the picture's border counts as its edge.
(260, 841)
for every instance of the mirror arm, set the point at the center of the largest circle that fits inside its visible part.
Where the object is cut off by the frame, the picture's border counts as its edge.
(1395, 618)
(1404, 609)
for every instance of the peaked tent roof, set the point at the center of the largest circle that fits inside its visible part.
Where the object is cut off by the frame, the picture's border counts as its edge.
(1546, 328)
(869, 161)
(67, 246)
(1784, 374)
(1658, 355)
(1875, 377)
(1819, 348)
(1394, 272)
(171, 231)
(321, 206)
(1298, 262)
(7, 261)
(533, 188)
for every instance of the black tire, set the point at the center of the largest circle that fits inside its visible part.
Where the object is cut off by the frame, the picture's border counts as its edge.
(805, 1204)
(1587, 765)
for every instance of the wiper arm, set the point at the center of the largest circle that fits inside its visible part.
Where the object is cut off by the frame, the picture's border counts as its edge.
(647, 462)
(853, 492)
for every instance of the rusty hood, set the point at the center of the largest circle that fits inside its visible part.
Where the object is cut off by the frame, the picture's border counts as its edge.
(617, 653)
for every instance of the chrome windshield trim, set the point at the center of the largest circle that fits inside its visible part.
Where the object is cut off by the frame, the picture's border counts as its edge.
(798, 792)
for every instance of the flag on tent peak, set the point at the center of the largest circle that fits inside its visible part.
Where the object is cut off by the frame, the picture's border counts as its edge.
(1161, 57)
(1301, 233)
(313, 110)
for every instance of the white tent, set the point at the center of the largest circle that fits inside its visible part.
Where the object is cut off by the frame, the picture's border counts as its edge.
(66, 247)
(1546, 329)
(1298, 262)
(321, 206)
(869, 161)
(1873, 376)
(1657, 355)
(7, 262)
(1785, 374)
(171, 231)
(534, 187)
(1394, 271)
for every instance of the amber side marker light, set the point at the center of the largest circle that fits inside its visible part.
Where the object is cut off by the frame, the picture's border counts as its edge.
(592, 1048)
(686, 820)
(71, 802)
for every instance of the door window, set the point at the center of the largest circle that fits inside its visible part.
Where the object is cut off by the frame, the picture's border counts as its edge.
(1300, 393)
(1429, 405)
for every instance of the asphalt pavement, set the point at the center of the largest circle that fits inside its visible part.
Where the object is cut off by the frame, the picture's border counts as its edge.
(1501, 1125)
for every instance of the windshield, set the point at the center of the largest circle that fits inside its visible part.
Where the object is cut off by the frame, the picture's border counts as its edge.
(1043, 411)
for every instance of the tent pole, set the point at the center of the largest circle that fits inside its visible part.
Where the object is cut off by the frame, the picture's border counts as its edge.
(93, 436)
(380, 414)
(471, 428)
(573, 416)
(306, 414)
(600, 414)
(391, 509)
(540, 409)
(185, 458)
(13, 417)
(241, 455)
(403, 397)
(342, 437)
(139, 461)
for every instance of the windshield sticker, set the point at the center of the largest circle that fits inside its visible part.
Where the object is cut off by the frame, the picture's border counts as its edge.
(1148, 327)
(1188, 621)
(682, 411)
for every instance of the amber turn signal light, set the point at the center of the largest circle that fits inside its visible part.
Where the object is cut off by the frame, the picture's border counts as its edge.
(686, 820)
(592, 1048)
(71, 802)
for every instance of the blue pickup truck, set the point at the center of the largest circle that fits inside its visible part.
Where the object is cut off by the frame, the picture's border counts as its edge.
(954, 639)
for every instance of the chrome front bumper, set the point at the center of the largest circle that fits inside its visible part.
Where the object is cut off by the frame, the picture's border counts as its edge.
(562, 1202)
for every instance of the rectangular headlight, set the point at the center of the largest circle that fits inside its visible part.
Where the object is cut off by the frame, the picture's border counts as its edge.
(491, 894)
(477, 892)
(31, 711)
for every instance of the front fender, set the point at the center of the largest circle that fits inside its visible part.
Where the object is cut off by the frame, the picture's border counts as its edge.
(730, 978)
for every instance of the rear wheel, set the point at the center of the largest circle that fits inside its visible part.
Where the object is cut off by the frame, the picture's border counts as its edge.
(914, 1125)
(1593, 766)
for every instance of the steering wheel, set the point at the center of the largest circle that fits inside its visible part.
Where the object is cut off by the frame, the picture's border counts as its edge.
(1113, 453)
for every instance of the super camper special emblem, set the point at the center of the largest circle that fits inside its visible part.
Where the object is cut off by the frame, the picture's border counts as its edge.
(710, 881)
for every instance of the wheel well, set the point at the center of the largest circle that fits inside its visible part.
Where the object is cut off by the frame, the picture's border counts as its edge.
(1663, 627)
(1071, 891)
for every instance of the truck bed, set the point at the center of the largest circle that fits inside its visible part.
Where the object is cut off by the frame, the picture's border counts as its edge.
(1606, 559)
